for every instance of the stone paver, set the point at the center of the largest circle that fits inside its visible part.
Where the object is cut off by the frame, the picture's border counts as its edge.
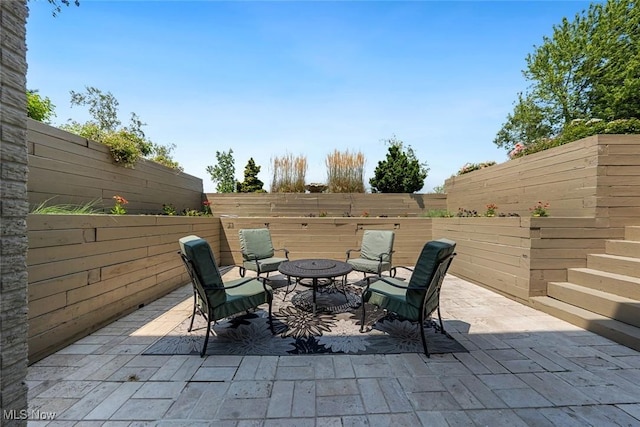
(523, 368)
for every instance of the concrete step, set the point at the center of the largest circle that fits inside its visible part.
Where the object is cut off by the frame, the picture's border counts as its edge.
(632, 232)
(614, 264)
(628, 248)
(609, 305)
(613, 283)
(614, 330)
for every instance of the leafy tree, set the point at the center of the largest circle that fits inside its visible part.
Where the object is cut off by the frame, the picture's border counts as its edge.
(401, 172)
(39, 108)
(588, 68)
(57, 5)
(223, 173)
(251, 183)
(126, 143)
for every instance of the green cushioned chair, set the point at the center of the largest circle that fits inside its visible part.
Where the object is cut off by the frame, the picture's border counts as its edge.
(417, 298)
(258, 253)
(376, 253)
(213, 298)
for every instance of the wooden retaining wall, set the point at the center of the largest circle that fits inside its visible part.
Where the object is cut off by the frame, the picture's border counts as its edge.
(326, 237)
(87, 270)
(67, 169)
(325, 204)
(598, 176)
(518, 256)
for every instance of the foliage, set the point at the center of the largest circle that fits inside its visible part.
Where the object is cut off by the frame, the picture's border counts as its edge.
(206, 208)
(39, 108)
(470, 167)
(579, 129)
(439, 189)
(223, 173)
(540, 209)
(589, 67)
(401, 172)
(169, 209)
(288, 174)
(492, 208)
(251, 183)
(162, 154)
(118, 208)
(127, 144)
(466, 213)
(57, 5)
(438, 213)
(345, 172)
(86, 209)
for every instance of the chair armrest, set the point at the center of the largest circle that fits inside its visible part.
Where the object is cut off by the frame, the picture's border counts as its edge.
(351, 250)
(286, 252)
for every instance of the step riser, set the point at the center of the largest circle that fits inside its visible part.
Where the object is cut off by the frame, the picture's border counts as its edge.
(632, 233)
(620, 266)
(623, 248)
(601, 327)
(627, 312)
(603, 283)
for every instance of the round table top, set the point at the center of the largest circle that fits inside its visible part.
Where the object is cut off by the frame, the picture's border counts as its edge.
(315, 268)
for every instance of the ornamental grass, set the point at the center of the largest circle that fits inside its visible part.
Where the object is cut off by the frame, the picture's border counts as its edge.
(345, 172)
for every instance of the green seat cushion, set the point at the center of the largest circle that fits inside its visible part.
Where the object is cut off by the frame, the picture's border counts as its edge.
(255, 243)
(432, 254)
(251, 293)
(368, 265)
(266, 265)
(391, 298)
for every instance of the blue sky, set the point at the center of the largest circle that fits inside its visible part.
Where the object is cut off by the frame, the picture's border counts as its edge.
(268, 79)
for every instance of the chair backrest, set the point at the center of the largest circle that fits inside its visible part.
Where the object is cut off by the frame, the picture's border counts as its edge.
(376, 242)
(255, 243)
(199, 259)
(434, 261)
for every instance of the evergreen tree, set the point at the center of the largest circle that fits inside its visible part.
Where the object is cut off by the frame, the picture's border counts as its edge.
(401, 172)
(251, 183)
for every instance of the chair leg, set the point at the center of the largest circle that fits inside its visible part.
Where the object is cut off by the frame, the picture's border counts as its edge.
(363, 315)
(273, 331)
(442, 331)
(206, 339)
(422, 334)
(193, 315)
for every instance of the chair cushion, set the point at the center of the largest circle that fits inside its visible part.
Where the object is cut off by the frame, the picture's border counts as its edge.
(248, 295)
(256, 243)
(266, 265)
(199, 252)
(368, 265)
(376, 242)
(432, 254)
(391, 298)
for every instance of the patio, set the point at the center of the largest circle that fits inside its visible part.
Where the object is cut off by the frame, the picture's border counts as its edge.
(524, 367)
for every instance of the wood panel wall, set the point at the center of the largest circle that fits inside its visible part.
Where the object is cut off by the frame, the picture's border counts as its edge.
(518, 256)
(67, 169)
(325, 204)
(88, 270)
(326, 237)
(564, 176)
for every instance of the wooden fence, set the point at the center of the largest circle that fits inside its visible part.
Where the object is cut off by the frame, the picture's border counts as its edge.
(325, 204)
(87, 270)
(67, 169)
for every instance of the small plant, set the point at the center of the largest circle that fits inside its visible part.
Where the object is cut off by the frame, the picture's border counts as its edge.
(119, 209)
(206, 208)
(168, 209)
(86, 209)
(191, 212)
(323, 214)
(365, 214)
(466, 213)
(438, 213)
(470, 167)
(540, 209)
(491, 209)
